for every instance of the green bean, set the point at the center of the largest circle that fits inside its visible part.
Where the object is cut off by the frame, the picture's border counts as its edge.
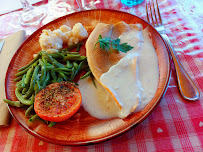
(22, 72)
(41, 62)
(68, 52)
(21, 99)
(59, 79)
(25, 70)
(82, 58)
(57, 56)
(43, 72)
(79, 46)
(29, 75)
(63, 75)
(23, 81)
(53, 75)
(48, 64)
(18, 78)
(69, 48)
(60, 54)
(66, 73)
(29, 110)
(44, 60)
(52, 124)
(46, 81)
(32, 98)
(32, 84)
(47, 77)
(35, 90)
(37, 87)
(52, 60)
(33, 118)
(27, 80)
(69, 65)
(25, 90)
(75, 65)
(76, 70)
(74, 57)
(63, 50)
(13, 103)
(50, 67)
(18, 84)
(31, 62)
(72, 74)
(71, 57)
(61, 69)
(86, 75)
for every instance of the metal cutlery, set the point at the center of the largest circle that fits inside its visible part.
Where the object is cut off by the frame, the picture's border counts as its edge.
(1, 45)
(187, 87)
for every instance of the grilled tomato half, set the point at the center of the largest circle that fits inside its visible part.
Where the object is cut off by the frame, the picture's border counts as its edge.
(58, 101)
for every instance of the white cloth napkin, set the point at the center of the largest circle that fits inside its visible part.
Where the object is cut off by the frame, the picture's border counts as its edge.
(12, 43)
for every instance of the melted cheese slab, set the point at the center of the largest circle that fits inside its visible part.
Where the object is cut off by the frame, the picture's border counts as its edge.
(122, 83)
(132, 82)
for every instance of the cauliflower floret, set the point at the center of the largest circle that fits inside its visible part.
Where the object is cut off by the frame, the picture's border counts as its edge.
(49, 40)
(47, 32)
(52, 41)
(58, 42)
(75, 40)
(79, 31)
(45, 41)
(61, 35)
(65, 28)
(69, 34)
(58, 33)
(70, 41)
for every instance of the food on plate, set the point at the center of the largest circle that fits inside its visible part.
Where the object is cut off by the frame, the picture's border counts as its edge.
(129, 79)
(52, 41)
(109, 44)
(58, 101)
(96, 55)
(51, 68)
(43, 70)
(120, 73)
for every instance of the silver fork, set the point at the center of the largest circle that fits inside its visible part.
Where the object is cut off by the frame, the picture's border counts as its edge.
(187, 87)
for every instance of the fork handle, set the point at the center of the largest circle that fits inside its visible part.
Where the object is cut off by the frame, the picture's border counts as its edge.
(187, 86)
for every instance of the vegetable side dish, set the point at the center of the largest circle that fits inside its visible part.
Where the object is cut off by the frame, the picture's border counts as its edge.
(51, 66)
(58, 101)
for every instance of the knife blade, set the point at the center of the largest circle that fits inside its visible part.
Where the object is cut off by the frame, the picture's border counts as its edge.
(1, 45)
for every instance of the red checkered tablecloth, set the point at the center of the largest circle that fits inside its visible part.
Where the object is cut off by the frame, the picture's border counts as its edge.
(176, 124)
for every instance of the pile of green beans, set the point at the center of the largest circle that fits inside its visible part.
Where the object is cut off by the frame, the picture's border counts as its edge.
(43, 70)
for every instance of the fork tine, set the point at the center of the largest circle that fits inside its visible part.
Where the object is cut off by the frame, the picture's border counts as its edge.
(147, 12)
(159, 12)
(155, 13)
(150, 8)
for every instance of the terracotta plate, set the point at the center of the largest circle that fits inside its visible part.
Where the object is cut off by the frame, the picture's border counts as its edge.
(82, 128)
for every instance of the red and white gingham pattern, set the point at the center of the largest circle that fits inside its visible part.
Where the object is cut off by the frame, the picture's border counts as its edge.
(176, 124)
